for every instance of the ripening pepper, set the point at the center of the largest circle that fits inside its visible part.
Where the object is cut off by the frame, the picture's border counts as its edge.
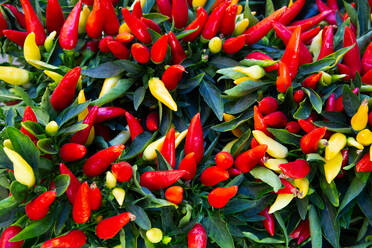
(351, 141)
(94, 24)
(273, 163)
(81, 137)
(124, 37)
(74, 185)
(119, 195)
(64, 94)
(262, 56)
(268, 105)
(179, 13)
(292, 11)
(33, 23)
(110, 180)
(73, 239)
(140, 53)
(268, 222)
(160, 92)
(228, 22)
(30, 50)
(177, 52)
(281, 201)
(48, 44)
(308, 23)
(241, 26)
(302, 185)
(9, 233)
(247, 160)
(188, 164)
(194, 138)
(135, 127)
(122, 171)
(95, 197)
(155, 180)
(71, 152)
(335, 144)
(172, 75)
(258, 121)
(70, 30)
(85, 12)
(352, 57)
(213, 175)
(274, 148)
(198, 24)
(100, 161)
(332, 167)
(291, 55)
(311, 81)
(364, 137)
(287, 189)
(54, 16)
(296, 169)
(138, 28)
(219, 197)
(29, 115)
(38, 208)
(81, 208)
(359, 120)
(108, 84)
(214, 21)
(152, 121)
(23, 172)
(365, 164)
(174, 194)
(215, 45)
(154, 235)
(168, 149)
(17, 37)
(310, 142)
(197, 237)
(224, 160)
(159, 49)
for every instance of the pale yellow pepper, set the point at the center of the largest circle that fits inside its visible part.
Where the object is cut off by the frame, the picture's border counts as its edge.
(228, 146)
(110, 180)
(332, 167)
(161, 93)
(23, 172)
(198, 3)
(302, 184)
(281, 201)
(48, 43)
(14, 75)
(30, 50)
(335, 144)
(108, 84)
(274, 148)
(54, 76)
(360, 118)
(84, 14)
(273, 164)
(241, 26)
(154, 235)
(351, 141)
(8, 144)
(119, 195)
(242, 79)
(254, 71)
(316, 44)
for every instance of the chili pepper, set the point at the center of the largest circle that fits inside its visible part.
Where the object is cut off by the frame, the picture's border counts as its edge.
(137, 9)
(360, 119)
(298, 96)
(262, 56)
(293, 127)
(135, 127)
(54, 16)
(74, 185)
(64, 94)
(152, 121)
(281, 201)
(188, 164)
(215, 45)
(367, 59)
(83, 19)
(306, 24)
(267, 105)
(95, 21)
(23, 172)
(110, 180)
(213, 175)
(365, 164)
(273, 163)
(352, 57)
(364, 137)
(140, 53)
(234, 44)
(174, 194)
(335, 144)
(3, 24)
(214, 21)
(296, 169)
(303, 187)
(344, 69)
(124, 37)
(8, 234)
(327, 43)
(30, 50)
(38, 208)
(91, 45)
(283, 81)
(224, 160)
(306, 125)
(241, 26)
(276, 119)
(370, 119)
(259, 123)
(339, 103)
(331, 103)
(155, 180)
(108, 84)
(307, 36)
(160, 92)
(194, 138)
(268, 222)
(178, 54)
(311, 81)
(197, 237)
(95, 197)
(159, 49)
(48, 44)
(70, 30)
(71, 152)
(310, 142)
(172, 75)
(165, 7)
(288, 188)
(33, 23)
(332, 4)
(154, 235)
(366, 79)
(81, 137)
(29, 115)
(111, 27)
(292, 53)
(199, 22)
(228, 21)
(219, 197)
(75, 239)
(17, 37)
(274, 148)
(330, 18)
(105, 133)
(122, 171)
(291, 12)
(151, 24)
(119, 195)
(168, 149)
(20, 17)
(179, 13)
(119, 50)
(258, 31)
(247, 160)
(81, 208)
(137, 27)
(333, 166)
(351, 141)
(302, 231)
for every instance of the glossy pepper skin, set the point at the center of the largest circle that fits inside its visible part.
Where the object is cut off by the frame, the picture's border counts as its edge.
(33, 23)
(327, 43)
(199, 22)
(283, 82)
(82, 136)
(262, 56)
(118, 49)
(168, 149)
(228, 23)
(194, 138)
(291, 55)
(107, 113)
(352, 57)
(138, 28)
(174, 194)
(64, 94)
(122, 171)
(9, 233)
(312, 81)
(188, 164)
(296, 169)
(165, 7)
(247, 160)
(94, 25)
(179, 13)
(135, 127)
(219, 197)
(54, 16)
(140, 53)
(17, 14)
(268, 222)
(214, 21)
(224, 160)
(178, 54)
(367, 59)
(172, 76)
(268, 105)
(234, 44)
(38, 208)
(365, 164)
(197, 237)
(276, 119)
(302, 231)
(110, 27)
(310, 142)
(17, 37)
(109, 227)
(81, 208)
(155, 180)
(259, 123)
(307, 36)
(71, 152)
(103, 43)
(73, 239)
(152, 121)
(330, 18)
(95, 197)
(70, 30)
(74, 185)
(99, 162)
(159, 49)
(306, 24)
(29, 115)
(213, 175)
(292, 12)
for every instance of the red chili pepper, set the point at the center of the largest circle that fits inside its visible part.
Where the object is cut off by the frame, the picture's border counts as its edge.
(296, 169)
(100, 161)
(302, 232)
(213, 175)
(194, 138)
(188, 164)
(352, 57)
(155, 180)
(95, 21)
(224, 160)
(333, 4)
(291, 12)
(159, 49)
(119, 50)
(268, 222)
(20, 17)
(109, 227)
(111, 27)
(95, 197)
(259, 123)
(122, 171)
(91, 45)
(168, 149)
(29, 115)
(172, 75)
(174, 194)
(3, 24)
(71, 152)
(165, 7)
(234, 172)
(283, 81)
(197, 237)
(258, 31)
(124, 37)
(254, 143)
(365, 164)
(178, 54)
(74, 185)
(327, 43)
(88, 2)
(345, 160)
(138, 28)
(330, 18)
(292, 127)
(81, 208)
(140, 53)
(267, 105)
(310, 142)
(64, 94)
(135, 127)
(276, 119)
(38, 208)
(73, 239)
(70, 30)
(311, 81)
(331, 103)
(307, 36)
(306, 24)
(219, 197)
(152, 121)
(103, 131)
(179, 13)
(137, 9)
(103, 43)
(306, 125)
(262, 56)
(246, 161)
(367, 59)
(199, 22)
(33, 23)
(344, 69)
(151, 24)
(107, 113)
(291, 55)
(298, 96)
(9, 233)
(367, 77)
(288, 188)
(54, 16)
(214, 21)
(234, 44)
(81, 136)
(228, 22)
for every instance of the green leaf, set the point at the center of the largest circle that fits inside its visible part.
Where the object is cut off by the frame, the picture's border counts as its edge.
(230, 125)
(130, 66)
(63, 217)
(162, 162)
(281, 222)
(184, 33)
(142, 220)
(303, 111)
(350, 100)
(352, 13)
(148, 6)
(330, 190)
(241, 143)
(315, 228)
(269, 8)
(236, 106)
(35, 229)
(218, 232)
(331, 228)
(263, 63)
(138, 145)
(190, 83)
(231, 73)
(119, 89)
(33, 127)
(286, 137)
(111, 69)
(71, 112)
(267, 176)
(25, 97)
(156, 17)
(46, 145)
(7, 204)
(246, 87)
(364, 16)
(19, 191)
(138, 97)
(315, 99)
(253, 237)
(72, 129)
(62, 182)
(248, 14)
(223, 62)
(212, 96)
(335, 126)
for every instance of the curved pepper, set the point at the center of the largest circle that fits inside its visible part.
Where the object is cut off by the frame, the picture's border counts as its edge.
(219, 197)
(118, 49)
(276, 119)
(108, 84)
(30, 50)
(107, 113)
(70, 30)
(228, 22)
(281, 201)
(168, 149)
(178, 54)
(14, 75)
(292, 12)
(17, 37)
(54, 16)
(360, 119)
(197, 237)
(160, 92)
(138, 28)
(335, 144)
(152, 121)
(283, 82)
(274, 148)
(311, 81)
(159, 49)
(135, 127)
(188, 164)
(194, 138)
(75, 238)
(83, 19)
(306, 24)
(291, 55)
(110, 180)
(38, 208)
(310, 142)
(330, 18)
(140, 53)
(327, 43)
(81, 208)
(332, 167)
(259, 123)
(74, 185)
(268, 222)
(247, 160)
(213, 175)
(8, 234)
(33, 23)
(109, 227)
(262, 56)
(234, 44)
(179, 13)
(307, 36)
(81, 137)
(155, 180)
(71, 152)
(172, 75)
(273, 163)
(302, 231)
(214, 21)
(288, 188)
(23, 172)
(199, 22)
(165, 7)
(296, 169)
(119, 195)
(303, 186)
(352, 57)
(306, 125)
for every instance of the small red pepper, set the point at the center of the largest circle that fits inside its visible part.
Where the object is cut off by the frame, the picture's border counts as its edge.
(267, 105)
(20, 17)
(214, 21)
(268, 222)
(124, 37)
(310, 142)
(168, 149)
(306, 125)
(172, 75)
(194, 139)
(159, 49)
(283, 82)
(288, 188)
(110, 27)
(165, 7)
(259, 123)
(109, 227)
(188, 164)
(138, 28)
(54, 16)
(352, 57)
(151, 24)
(276, 119)
(71, 152)
(81, 208)
(307, 36)
(91, 45)
(296, 169)
(228, 23)
(331, 103)
(219, 197)
(291, 55)
(74, 185)
(100, 161)
(70, 30)
(29, 115)
(199, 22)
(140, 53)
(224, 160)
(302, 231)
(107, 113)
(179, 13)
(8, 234)
(137, 9)
(38, 208)
(234, 172)
(311, 81)
(33, 23)
(135, 127)
(155, 180)
(152, 121)
(95, 197)
(122, 171)
(292, 127)
(75, 238)
(327, 43)
(197, 237)
(118, 49)
(262, 56)
(234, 44)
(81, 136)
(344, 69)
(367, 59)
(365, 164)
(330, 18)
(178, 54)
(246, 161)
(103, 131)
(174, 194)
(298, 96)
(213, 175)
(332, 4)
(292, 12)
(94, 26)
(367, 77)
(307, 24)
(103, 44)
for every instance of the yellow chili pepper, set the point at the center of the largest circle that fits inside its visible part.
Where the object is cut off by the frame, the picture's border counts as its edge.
(8, 144)
(241, 26)
(23, 172)
(228, 146)
(335, 144)
(81, 99)
(215, 45)
(48, 43)
(198, 3)
(281, 201)
(290, 3)
(254, 71)
(242, 79)
(124, 28)
(90, 137)
(332, 167)
(240, 9)
(154, 235)
(83, 19)
(31, 50)
(273, 164)
(54, 76)
(108, 84)
(110, 180)
(303, 186)
(119, 195)
(316, 44)
(52, 128)
(158, 90)
(14, 75)
(364, 137)
(274, 148)
(236, 132)
(360, 119)
(352, 142)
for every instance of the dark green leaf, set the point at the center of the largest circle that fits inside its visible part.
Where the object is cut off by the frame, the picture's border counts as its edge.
(156, 17)
(281, 222)
(218, 232)
(246, 87)
(212, 96)
(303, 111)
(71, 112)
(241, 143)
(19, 191)
(190, 83)
(243, 103)
(72, 129)
(105, 70)
(230, 125)
(285, 137)
(223, 62)
(350, 100)
(330, 190)
(120, 88)
(331, 228)
(33, 127)
(254, 237)
(35, 229)
(62, 182)
(138, 97)
(335, 126)
(142, 220)
(46, 145)
(7, 204)
(315, 228)
(267, 176)
(364, 16)
(138, 145)
(315, 99)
